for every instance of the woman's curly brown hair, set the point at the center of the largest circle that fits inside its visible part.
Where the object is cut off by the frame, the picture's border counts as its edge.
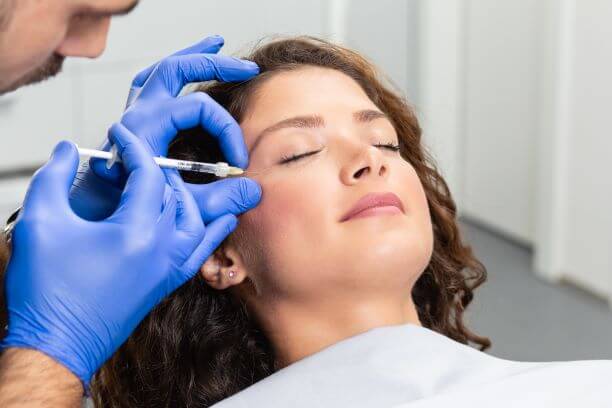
(201, 345)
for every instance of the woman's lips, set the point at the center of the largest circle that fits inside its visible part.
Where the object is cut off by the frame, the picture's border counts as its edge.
(375, 204)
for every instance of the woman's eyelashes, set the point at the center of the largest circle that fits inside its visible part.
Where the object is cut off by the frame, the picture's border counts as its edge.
(284, 160)
(296, 157)
(391, 146)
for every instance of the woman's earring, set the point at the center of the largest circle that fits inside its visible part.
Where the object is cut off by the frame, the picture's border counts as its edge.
(232, 274)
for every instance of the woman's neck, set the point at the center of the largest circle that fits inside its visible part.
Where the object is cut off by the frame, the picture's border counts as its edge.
(297, 331)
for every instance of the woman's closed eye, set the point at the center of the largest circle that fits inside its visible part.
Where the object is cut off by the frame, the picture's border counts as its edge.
(284, 160)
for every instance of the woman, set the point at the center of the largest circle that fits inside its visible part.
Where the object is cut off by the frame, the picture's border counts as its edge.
(318, 298)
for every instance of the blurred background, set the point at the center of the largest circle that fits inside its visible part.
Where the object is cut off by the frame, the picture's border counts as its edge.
(514, 100)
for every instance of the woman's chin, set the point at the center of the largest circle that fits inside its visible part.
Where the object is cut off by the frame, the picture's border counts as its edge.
(393, 248)
(379, 231)
(379, 224)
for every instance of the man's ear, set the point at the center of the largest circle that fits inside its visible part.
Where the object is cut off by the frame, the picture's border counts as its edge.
(224, 268)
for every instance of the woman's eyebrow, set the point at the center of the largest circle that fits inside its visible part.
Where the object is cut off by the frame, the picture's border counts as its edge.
(368, 115)
(306, 121)
(315, 121)
(309, 121)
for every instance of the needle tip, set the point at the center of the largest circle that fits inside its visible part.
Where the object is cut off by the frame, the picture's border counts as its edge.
(235, 171)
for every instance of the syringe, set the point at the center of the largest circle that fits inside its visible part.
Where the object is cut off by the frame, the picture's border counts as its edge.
(219, 169)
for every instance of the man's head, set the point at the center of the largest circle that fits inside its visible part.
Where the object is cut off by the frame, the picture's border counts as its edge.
(36, 36)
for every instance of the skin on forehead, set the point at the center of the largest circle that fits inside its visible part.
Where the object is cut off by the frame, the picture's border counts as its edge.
(289, 94)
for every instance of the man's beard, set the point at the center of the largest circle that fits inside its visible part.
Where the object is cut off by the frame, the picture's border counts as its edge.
(50, 68)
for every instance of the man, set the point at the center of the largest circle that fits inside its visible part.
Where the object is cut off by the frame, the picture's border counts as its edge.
(94, 250)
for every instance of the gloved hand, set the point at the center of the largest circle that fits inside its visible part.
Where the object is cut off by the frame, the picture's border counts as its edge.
(76, 289)
(155, 115)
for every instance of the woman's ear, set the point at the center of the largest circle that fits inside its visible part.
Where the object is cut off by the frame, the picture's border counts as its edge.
(224, 268)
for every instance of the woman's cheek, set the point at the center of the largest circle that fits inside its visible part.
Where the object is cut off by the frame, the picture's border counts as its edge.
(284, 202)
(284, 225)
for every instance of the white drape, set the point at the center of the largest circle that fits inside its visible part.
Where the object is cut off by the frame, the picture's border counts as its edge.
(409, 366)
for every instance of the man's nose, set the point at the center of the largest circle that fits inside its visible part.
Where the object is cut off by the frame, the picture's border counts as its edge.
(86, 37)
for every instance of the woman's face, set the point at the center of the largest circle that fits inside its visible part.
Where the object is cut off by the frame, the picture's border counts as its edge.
(300, 247)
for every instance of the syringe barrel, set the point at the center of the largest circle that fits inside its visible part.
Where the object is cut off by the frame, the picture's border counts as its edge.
(219, 169)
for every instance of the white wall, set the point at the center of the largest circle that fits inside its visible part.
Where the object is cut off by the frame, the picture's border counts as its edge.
(502, 72)
(524, 128)
(589, 238)
(440, 73)
(578, 247)
(478, 76)
(386, 32)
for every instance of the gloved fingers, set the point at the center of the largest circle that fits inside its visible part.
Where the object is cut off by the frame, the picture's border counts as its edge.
(173, 73)
(195, 109)
(226, 196)
(50, 185)
(177, 114)
(167, 78)
(188, 218)
(91, 197)
(209, 45)
(115, 175)
(167, 218)
(143, 195)
(215, 233)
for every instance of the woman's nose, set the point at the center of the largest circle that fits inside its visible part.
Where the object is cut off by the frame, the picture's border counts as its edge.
(366, 162)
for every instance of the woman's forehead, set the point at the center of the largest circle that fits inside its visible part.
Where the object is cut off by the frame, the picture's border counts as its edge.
(305, 91)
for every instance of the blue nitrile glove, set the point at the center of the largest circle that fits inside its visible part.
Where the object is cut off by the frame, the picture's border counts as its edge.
(76, 289)
(155, 114)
